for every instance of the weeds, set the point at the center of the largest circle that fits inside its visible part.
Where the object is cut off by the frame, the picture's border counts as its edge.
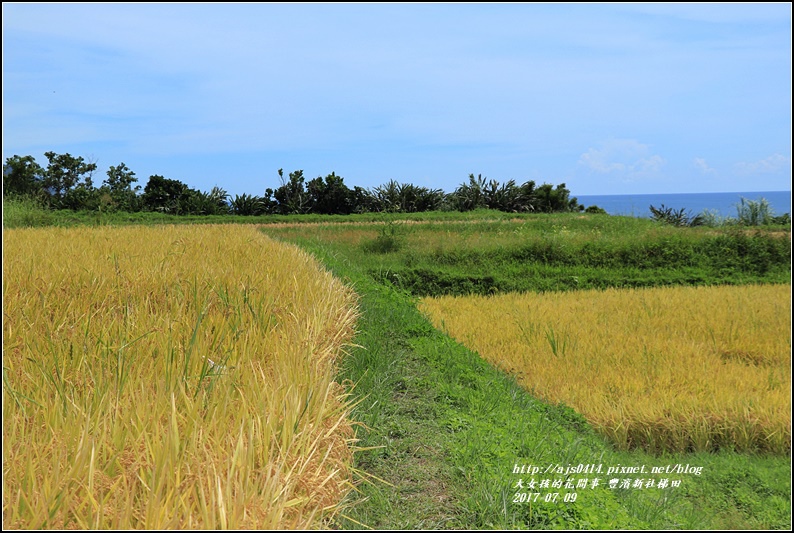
(26, 212)
(390, 238)
(559, 343)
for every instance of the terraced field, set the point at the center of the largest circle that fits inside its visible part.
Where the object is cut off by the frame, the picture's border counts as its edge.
(211, 377)
(446, 427)
(666, 369)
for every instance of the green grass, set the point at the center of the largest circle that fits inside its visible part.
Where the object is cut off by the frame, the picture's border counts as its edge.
(23, 212)
(441, 432)
(26, 213)
(557, 252)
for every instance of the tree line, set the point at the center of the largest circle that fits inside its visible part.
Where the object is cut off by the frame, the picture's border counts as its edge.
(67, 182)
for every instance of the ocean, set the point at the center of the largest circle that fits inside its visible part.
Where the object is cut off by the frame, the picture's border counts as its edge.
(724, 203)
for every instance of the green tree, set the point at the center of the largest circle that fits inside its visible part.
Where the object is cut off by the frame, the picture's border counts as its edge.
(119, 187)
(83, 196)
(165, 195)
(363, 200)
(291, 196)
(509, 197)
(22, 176)
(470, 196)
(387, 197)
(248, 205)
(481, 193)
(394, 197)
(594, 209)
(415, 199)
(528, 196)
(62, 178)
(330, 196)
(196, 202)
(549, 199)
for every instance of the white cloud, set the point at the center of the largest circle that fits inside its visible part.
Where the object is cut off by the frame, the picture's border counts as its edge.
(703, 166)
(598, 160)
(627, 158)
(650, 164)
(773, 163)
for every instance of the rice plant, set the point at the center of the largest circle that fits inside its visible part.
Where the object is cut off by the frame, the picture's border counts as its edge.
(675, 369)
(170, 378)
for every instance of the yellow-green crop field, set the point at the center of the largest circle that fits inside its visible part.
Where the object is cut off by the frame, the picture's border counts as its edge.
(171, 377)
(673, 369)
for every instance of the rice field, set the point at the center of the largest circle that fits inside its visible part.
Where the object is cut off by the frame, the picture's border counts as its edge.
(171, 377)
(665, 369)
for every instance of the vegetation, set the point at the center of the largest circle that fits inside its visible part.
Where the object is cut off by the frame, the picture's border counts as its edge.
(438, 430)
(674, 217)
(442, 431)
(754, 213)
(170, 378)
(647, 368)
(24, 212)
(749, 213)
(27, 212)
(67, 183)
(557, 252)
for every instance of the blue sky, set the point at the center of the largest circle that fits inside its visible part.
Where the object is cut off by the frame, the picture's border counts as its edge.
(608, 98)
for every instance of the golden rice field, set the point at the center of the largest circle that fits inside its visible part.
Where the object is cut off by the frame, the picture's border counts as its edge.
(171, 377)
(685, 368)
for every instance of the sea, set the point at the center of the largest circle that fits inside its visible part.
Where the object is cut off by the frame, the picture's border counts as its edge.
(723, 203)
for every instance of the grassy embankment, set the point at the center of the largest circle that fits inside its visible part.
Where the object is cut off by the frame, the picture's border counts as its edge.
(171, 377)
(447, 429)
(24, 213)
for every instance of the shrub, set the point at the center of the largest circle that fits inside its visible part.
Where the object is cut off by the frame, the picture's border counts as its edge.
(389, 240)
(668, 215)
(595, 210)
(754, 213)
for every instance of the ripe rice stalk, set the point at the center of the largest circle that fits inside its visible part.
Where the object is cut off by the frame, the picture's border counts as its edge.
(171, 377)
(684, 368)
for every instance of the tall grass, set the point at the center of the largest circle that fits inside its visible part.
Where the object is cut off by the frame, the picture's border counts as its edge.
(555, 252)
(25, 212)
(754, 213)
(171, 377)
(666, 369)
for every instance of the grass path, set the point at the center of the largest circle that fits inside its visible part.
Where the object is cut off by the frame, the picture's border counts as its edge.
(447, 428)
